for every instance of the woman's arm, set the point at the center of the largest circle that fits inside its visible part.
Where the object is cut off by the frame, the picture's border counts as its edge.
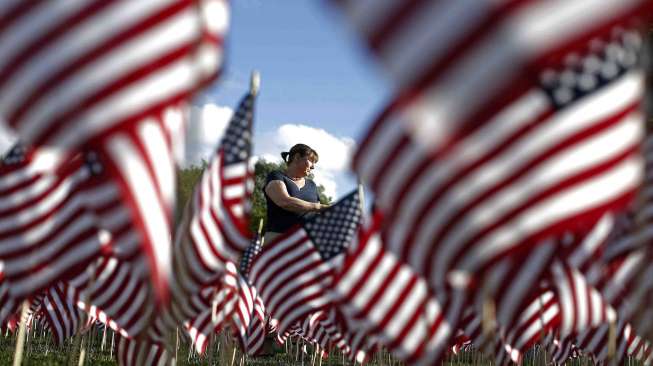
(277, 192)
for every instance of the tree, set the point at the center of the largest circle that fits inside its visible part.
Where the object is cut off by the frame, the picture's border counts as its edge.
(189, 177)
(186, 181)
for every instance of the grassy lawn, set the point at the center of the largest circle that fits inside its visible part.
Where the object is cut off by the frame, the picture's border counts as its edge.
(40, 350)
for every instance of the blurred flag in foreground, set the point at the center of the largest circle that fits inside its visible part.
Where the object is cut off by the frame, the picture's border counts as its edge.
(112, 76)
(513, 122)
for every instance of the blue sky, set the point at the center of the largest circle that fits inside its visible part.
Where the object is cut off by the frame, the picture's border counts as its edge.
(314, 73)
(314, 70)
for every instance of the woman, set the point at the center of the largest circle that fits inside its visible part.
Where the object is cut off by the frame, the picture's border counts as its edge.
(290, 194)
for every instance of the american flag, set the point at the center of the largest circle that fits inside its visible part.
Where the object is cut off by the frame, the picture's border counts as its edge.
(312, 330)
(595, 343)
(361, 342)
(618, 275)
(48, 230)
(242, 316)
(248, 319)
(117, 293)
(539, 317)
(76, 200)
(293, 273)
(582, 306)
(104, 74)
(60, 312)
(393, 302)
(328, 329)
(131, 352)
(8, 306)
(215, 307)
(510, 282)
(602, 268)
(469, 331)
(249, 254)
(587, 253)
(560, 350)
(635, 346)
(140, 160)
(74, 71)
(257, 329)
(636, 290)
(214, 226)
(472, 158)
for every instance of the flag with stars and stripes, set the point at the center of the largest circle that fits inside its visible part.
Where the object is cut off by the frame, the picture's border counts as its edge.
(61, 315)
(141, 164)
(75, 72)
(8, 306)
(248, 320)
(516, 124)
(214, 228)
(49, 230)
(250, 253)
(532, 323)
(257, 329)
(293, 273)
(582, 306)
(392, 303)
(215, 307)
(106, 76)
(135, 352)
(117, 293)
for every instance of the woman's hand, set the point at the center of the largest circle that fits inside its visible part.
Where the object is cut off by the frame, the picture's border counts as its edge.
(319, 207)
(277, 192)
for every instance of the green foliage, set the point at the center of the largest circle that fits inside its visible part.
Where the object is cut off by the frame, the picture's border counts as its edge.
(188, 178)
(259, 206)
(186, 181)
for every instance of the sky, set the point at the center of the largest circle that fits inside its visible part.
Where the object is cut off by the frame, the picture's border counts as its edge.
(318, 86)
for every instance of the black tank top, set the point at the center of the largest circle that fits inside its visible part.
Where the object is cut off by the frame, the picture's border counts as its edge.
(279, 219)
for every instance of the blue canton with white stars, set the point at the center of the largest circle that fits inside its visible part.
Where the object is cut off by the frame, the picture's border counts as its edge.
(605, 61)
(334, 229)
(92, 162)
(249, 254)
(16, 155)
(237, 140)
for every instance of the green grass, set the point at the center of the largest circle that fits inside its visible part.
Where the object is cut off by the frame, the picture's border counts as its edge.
(40, 350)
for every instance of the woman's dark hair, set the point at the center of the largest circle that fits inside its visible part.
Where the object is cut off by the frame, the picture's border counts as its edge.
(302, 150)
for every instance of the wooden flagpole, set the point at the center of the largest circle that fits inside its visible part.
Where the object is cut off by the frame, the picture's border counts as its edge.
(488, 324)
(233, 356)
(113, 334)
(20, 341)
(211, 347)
(612, 342)
(260, 230)
(361, 195)
(80, 339)
(82, 351)
(541, 314)
(254, 82)
(176, 342)
(104, 337)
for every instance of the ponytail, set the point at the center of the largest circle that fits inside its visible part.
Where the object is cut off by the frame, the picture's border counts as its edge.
(302, 150)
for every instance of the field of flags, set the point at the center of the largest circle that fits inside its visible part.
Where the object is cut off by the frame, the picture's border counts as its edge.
(510, 181)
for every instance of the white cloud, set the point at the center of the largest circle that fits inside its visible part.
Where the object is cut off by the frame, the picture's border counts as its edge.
(335, 153)
(207, 124)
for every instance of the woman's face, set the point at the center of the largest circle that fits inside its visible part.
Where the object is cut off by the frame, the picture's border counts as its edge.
(303, 164)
